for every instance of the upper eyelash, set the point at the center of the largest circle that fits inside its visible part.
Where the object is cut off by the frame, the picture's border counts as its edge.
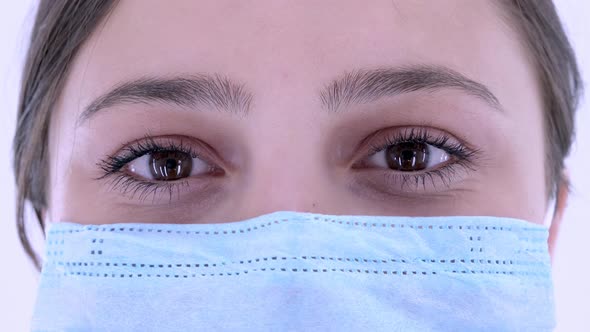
(113, 164)
(421, 135)
(462, 154)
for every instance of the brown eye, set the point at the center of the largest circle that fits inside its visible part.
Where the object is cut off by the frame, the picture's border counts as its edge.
(168, 166)
(409, 157)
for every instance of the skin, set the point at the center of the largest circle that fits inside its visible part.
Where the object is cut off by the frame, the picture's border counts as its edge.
(288, 152)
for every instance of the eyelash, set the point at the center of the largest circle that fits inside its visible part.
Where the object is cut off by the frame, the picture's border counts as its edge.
(112, 168)
(463, 157)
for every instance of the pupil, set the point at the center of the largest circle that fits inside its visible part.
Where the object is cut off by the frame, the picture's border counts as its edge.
(407, 156)
(170, 165)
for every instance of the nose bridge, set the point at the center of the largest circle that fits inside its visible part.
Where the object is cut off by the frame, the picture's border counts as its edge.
(286, 178)
(285, 167)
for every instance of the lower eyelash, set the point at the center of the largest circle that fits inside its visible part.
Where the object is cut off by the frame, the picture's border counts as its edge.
(445, 174)
(133, 187)
(129, 185)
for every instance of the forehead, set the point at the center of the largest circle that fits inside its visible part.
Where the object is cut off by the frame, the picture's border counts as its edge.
(281, 48)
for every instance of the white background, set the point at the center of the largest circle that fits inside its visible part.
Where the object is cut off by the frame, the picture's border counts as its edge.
(18, 278)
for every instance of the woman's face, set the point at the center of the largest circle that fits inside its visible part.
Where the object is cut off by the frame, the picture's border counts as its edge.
(211, 111)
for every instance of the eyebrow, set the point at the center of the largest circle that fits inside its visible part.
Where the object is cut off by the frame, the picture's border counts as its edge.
(363, 86)
(213, 91)
(221, 93)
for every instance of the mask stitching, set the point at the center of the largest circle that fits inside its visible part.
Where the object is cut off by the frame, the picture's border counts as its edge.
(267, 224)
(299, 270)
(322, 258)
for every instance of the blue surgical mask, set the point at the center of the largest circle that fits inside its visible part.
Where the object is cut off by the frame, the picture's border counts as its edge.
(290, 271)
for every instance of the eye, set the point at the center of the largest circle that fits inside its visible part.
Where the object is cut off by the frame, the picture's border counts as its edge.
(168, 165)
(406, 160)
(409, 157)
(162, 167)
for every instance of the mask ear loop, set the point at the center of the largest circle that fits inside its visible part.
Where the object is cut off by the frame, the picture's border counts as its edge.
(550, 213)
(42, 236)
(45, 221)
(555, 199)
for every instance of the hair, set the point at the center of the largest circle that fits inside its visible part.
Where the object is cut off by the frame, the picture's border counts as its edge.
(60, 29)
(62, 26)
(557, 70)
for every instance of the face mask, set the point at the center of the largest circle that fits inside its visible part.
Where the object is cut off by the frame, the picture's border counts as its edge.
(298, 271)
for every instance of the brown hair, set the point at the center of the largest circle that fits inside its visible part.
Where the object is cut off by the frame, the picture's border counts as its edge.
(62, 26)
(543, 34)
(60, 29)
